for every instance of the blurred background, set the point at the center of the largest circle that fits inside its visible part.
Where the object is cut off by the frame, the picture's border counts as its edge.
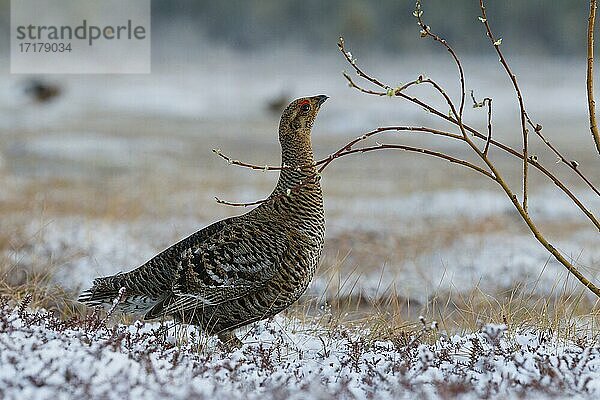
(554, 28)
(99, 172)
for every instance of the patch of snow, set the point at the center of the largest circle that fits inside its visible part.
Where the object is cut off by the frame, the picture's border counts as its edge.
(45, 358)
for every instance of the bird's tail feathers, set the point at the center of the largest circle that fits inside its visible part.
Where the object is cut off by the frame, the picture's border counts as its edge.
(104, 291)
(112, 292)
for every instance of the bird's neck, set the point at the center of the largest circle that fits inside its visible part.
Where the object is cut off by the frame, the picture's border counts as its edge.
(298, 161)
(297, 198)
(296, 151)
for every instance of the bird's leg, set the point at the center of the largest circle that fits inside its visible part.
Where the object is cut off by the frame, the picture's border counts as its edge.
(229, 340)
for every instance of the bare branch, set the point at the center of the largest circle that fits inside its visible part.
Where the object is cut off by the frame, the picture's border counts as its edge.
(489, 125)
(260, 167)
(354, 85)
(400, 93)
(234, 204)
(347, 147)
(533, 161)
(384, 146)
(568, 162)
(352, 61)
(479, 104)
(536, 127)
(246, 165)
(496, 43)
(590, 75)
(426, 31)
(511, 151)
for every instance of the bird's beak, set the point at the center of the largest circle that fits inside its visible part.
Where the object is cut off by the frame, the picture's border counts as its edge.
(321, 99)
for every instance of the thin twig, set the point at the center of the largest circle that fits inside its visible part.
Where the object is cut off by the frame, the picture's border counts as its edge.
(536, 127)
(348, 146)
(489, 126)
(352, 61)
(384, 146)
(260, 167)
(572, 164)
(525, 132)
(314, 177)
(426, 31)
(361, 89)
(478, 104)
(590, 75)
(533, 161)
(241, 204)
(247, 165)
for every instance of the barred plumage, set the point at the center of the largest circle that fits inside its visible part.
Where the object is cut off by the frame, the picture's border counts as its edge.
(241, 269)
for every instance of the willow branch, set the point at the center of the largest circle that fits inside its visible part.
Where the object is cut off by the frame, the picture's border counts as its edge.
(478, 104)
(590, 75)
(572, 164)
(489, 126)
(496, 43)
(352, 61)
(240, 204)
(359, 88)
(349, 146)
(426, 32)
(247, 165)
(267, 167)
(384, 146)
(503, 147)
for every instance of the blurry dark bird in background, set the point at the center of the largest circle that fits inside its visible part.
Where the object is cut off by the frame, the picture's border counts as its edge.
(277, 104)
(42, 91)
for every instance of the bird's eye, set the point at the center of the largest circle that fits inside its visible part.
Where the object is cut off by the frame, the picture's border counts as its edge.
(305, 107)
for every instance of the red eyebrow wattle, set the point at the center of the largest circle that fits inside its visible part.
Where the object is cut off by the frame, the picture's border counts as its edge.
(303, 102)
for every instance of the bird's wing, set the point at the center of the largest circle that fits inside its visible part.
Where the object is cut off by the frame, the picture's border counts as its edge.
(154, 278)
(228, 264)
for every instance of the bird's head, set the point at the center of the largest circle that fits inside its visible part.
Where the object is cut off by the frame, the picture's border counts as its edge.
(298, 117)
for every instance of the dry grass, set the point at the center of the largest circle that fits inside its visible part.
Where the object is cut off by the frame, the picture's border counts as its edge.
(35, 283)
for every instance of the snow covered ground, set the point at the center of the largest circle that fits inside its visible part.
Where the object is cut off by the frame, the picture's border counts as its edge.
(46, 358)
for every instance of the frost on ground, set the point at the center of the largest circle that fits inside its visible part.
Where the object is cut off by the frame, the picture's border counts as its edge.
(46, 358)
